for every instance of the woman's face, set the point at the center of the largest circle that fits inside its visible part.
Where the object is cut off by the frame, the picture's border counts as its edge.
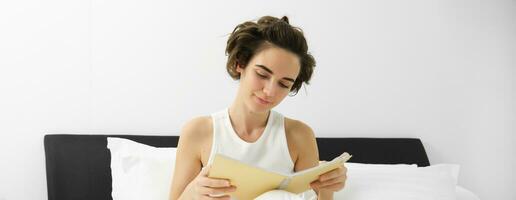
(268, 78)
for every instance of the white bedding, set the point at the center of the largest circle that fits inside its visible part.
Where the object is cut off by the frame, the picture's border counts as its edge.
(393, 182)
(461, 193)
(464, 194)
(143, 172)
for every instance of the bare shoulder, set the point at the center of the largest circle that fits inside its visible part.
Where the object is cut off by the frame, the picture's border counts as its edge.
(196, 134)
(301, 143)
(197, 128)
(298, 131)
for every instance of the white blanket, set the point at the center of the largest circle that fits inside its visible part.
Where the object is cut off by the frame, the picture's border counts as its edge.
(462, 194)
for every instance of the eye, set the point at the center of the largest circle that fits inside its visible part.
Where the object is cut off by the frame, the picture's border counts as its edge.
(265, 77)
(282, 85)
(261, 75)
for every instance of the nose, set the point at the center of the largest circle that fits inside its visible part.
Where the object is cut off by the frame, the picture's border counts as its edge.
(269, 89)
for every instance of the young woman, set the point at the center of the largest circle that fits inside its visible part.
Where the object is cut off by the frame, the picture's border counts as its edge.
(270, 59)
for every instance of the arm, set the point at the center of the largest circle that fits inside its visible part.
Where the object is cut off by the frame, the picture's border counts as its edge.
(190, 182)
(303, 141)
(188, 162)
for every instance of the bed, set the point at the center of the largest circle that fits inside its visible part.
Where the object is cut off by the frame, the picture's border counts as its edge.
(78, 165)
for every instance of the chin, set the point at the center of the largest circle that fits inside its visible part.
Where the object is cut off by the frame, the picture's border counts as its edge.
(257, 107)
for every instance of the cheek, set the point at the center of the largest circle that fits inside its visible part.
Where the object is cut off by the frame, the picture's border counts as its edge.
(283, 95)
(255, 83)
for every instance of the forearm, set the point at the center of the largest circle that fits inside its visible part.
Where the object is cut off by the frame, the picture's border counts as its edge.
(325, 195)
(185, 194)
(184, 197)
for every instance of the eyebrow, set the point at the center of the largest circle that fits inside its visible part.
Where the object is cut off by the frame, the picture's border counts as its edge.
(270, 71)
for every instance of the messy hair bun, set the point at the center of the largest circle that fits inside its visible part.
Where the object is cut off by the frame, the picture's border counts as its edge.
(249, 38)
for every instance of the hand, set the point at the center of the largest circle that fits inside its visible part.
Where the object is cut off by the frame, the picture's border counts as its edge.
(331, 181)
(203, 187)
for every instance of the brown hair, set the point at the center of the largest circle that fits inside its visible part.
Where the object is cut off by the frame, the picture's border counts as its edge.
(249, 38)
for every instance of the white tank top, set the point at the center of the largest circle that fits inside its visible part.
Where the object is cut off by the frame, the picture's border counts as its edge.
(270, 151)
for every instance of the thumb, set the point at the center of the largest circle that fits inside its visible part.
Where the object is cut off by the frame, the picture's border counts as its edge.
(205, 171)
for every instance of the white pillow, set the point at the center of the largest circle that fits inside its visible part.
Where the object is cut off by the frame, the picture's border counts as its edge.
(452, 168)
(465, 194)
(140, 171)
(420, 183)
(351, 165)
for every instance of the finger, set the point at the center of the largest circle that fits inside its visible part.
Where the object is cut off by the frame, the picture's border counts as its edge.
(334, 187)
(315, 184)
(332, 181)
(216, 192)
(208, 197)
(213, 182)
(332, 174)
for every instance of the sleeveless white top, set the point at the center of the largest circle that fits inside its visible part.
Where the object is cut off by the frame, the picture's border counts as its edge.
(270, 151)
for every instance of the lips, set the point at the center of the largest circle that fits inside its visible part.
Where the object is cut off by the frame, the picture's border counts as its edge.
(262, 101)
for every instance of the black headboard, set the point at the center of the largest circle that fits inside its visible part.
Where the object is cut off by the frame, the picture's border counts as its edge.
(78, 166)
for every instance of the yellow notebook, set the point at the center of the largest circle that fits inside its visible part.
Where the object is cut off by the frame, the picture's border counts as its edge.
(252, 181)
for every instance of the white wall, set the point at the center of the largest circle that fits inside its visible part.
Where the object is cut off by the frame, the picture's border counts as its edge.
(443, 71)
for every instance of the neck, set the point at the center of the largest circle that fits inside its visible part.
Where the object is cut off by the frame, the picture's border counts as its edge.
(247, 122)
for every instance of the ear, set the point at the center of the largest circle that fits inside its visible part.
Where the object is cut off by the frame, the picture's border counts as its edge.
(239, 68)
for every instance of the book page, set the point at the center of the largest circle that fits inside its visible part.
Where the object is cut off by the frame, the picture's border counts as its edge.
(300, 181)
(250, 181)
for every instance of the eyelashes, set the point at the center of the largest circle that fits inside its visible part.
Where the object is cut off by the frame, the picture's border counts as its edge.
(265, 77)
